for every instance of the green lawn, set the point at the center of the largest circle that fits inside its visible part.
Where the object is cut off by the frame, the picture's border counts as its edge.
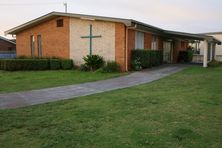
(28, 80)
(182, 110)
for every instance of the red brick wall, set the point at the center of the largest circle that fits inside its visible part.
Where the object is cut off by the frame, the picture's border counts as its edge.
(55, 40)
(120, 53)
(179, 46)
(147, 40)
(131, 45)
(184, 45)
(4, 46)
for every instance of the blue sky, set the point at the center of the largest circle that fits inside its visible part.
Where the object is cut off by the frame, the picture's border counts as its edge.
(193, 16)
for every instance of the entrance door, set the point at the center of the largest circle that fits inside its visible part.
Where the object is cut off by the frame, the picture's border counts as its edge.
(167, 52)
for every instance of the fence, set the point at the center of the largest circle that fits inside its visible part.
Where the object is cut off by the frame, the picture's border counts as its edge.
(7, 55)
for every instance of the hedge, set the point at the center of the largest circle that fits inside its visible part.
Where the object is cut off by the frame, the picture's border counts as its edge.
(54, 64)
(146, 58)
(110, 66)
(33, 64)
(66, 64)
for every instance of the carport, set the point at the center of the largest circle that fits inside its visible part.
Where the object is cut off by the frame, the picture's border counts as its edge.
(209, 42)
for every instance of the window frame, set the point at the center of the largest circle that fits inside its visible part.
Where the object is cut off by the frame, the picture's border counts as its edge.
(32, 45)
(59, 23)
(154, 43)
(139, 40)
(39, 45)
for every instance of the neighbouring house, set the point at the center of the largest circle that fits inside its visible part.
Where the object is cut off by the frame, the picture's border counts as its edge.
(7, 48)
(68, 35)
(214, 51)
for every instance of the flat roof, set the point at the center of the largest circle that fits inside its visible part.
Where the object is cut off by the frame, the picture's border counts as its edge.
(7, 40)
(185, 34)
(212, 33)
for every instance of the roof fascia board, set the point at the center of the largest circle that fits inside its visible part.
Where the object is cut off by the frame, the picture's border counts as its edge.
(127, 22)
(182, 37)
(138, 26)
(185, 34)
(211, 33)
(147, 29)
(30, 23)
(57, 14)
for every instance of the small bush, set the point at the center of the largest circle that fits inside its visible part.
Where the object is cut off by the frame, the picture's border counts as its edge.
(185, 56)
(136, 64)
(54, 64)
(190, 55)
(66, 64)
(214, 63)
(84, 67)
(111, 66)
(94, 62)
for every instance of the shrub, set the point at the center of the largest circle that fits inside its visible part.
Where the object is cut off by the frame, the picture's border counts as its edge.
(146, 58)
(190, 55)
(66, 64)
(84, 67)
(24, 64)
(185, 56)
(54, 64)
(94, 62)
(2, 64)
(136, 64)
(23, 57)
(111, 66)
(214, 63)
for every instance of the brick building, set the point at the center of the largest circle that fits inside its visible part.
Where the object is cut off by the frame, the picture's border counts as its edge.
(66, 35)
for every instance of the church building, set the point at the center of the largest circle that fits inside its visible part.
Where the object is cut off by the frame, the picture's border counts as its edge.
(73, 36)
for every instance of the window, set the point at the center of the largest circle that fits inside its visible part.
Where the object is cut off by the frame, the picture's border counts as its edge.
(32, 45)
(154, 43)
(39, 42)
(196, 46)
(139, 41)
(59, 22)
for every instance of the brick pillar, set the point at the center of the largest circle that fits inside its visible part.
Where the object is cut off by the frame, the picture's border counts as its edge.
(120, 41)
(131, 45)
(147, 40)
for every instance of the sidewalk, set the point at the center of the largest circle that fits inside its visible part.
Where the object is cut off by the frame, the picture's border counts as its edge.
(27, 98)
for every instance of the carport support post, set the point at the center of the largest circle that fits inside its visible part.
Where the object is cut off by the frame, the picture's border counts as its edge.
(211, 51)
(205, 53)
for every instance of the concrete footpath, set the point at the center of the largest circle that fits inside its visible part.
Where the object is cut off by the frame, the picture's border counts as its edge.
(27, 98)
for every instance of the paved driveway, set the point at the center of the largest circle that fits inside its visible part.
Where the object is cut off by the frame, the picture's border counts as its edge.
(27, 98)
